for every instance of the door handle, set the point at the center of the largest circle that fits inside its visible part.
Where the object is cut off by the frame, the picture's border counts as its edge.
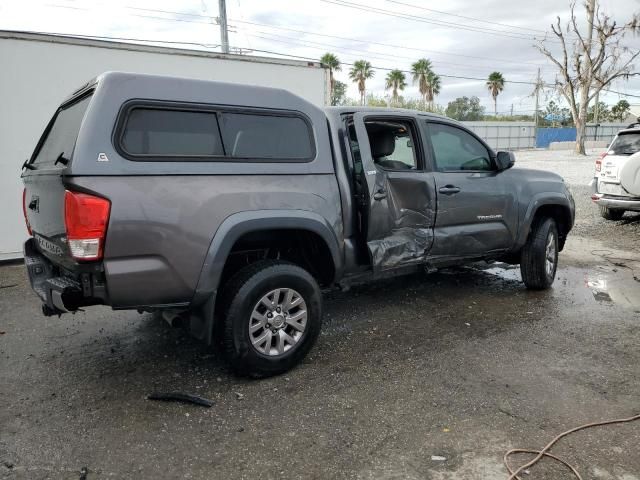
(380, 195)
(33, 205)
(449, 190)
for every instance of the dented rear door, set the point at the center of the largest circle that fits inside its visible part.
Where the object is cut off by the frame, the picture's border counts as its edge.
(400, 204)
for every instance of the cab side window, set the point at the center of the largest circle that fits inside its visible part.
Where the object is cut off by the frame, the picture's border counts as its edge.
(456, 150)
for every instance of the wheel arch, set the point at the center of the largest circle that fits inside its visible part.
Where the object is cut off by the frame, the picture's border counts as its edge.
(237, 225)
(556, 206)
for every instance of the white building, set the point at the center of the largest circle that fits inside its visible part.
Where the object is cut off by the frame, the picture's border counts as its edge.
(39, 71)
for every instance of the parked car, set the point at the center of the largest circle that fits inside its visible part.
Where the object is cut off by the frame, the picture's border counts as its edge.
(231, 206)
(615, 184)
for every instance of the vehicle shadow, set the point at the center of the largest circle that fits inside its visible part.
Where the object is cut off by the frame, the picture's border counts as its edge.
(147, 354)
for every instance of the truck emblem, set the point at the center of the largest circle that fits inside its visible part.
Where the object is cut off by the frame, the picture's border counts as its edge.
(102, 157)
(489, 217)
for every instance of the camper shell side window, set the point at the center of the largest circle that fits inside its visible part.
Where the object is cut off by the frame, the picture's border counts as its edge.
(166, 131)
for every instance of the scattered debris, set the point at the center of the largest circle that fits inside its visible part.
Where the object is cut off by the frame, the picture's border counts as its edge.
(239, 396)
(438, 458)
(83, 473)
(467, 324)
(445, 430)
(180, 397)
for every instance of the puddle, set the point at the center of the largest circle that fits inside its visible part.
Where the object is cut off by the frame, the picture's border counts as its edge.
(505, 271)
(619, 287)
(602, 284)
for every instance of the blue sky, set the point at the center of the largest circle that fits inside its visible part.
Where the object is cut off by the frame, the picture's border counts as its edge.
(461, 38)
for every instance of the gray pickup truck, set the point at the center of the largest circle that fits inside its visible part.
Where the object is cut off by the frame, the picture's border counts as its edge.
(231, 206)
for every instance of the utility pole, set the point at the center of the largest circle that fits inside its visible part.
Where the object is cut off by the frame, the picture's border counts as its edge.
(535, 113)
(512, 109)
(224, 34)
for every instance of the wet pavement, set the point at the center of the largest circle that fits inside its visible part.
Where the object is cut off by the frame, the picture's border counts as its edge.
(461, 364)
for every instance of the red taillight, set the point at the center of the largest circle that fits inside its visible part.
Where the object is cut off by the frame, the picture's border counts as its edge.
(85, 219)
(598, 165)
(24, 210)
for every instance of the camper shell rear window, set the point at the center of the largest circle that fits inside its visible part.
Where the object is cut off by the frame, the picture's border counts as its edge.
(160, 131)
(59, 138)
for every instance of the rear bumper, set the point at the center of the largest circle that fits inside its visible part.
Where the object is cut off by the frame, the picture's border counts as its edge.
(621, 203)
(60, 291)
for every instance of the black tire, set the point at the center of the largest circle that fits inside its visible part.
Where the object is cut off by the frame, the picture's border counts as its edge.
(533, 265)
(610, 213)
(243, 292)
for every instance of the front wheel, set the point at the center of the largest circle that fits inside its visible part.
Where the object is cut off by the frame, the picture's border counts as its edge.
(273, 318)
(610, 213)
(540, 255)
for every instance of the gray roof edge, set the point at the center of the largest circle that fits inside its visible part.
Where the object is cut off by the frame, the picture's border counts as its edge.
(138, 47)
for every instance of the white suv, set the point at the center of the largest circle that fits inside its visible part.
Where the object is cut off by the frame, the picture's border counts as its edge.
(615, 187)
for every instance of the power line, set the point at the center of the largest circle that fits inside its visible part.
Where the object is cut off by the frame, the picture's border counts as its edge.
(417, 18)
(465, 17)
(213, 20)
(128, 39)
(350, 51)
(289, 55)
(135, 14)
(386, 69)
(620, 93)
(371, 42)
(458, 77)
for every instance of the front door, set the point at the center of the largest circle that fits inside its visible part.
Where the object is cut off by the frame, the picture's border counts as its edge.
(398, 207)
(477, 204)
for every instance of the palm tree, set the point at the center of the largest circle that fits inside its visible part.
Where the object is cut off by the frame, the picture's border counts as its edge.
(359, 74)
(432, 83)
(333, 63)
(395, 81)
(495, 84)
(420, 70)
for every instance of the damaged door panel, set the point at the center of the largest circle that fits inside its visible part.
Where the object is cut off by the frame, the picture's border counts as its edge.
(400, 197)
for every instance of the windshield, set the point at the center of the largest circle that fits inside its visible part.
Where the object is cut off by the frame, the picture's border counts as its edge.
(60, 138)
(626, 144)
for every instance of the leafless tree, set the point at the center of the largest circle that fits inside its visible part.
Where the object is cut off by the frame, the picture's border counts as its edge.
(589, 61)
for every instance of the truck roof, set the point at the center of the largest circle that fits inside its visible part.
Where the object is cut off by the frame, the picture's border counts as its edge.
(382, 110)
(169, 81)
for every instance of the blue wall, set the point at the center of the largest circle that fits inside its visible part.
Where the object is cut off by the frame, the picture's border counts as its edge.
(547, 135)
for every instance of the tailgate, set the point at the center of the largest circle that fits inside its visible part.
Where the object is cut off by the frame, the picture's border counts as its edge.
(610, 170)
(44, 209)
(44, 180)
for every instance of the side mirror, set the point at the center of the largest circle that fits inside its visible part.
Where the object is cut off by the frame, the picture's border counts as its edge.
(505, 160)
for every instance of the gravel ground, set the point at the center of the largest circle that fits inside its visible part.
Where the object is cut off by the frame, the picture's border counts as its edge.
(462, 364)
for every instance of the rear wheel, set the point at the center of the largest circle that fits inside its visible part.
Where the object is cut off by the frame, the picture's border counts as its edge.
(610, 213)
(273, 318)
(540, 255)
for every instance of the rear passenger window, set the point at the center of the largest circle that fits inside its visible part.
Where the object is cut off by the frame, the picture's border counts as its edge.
(250, 135)
(172, 133)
